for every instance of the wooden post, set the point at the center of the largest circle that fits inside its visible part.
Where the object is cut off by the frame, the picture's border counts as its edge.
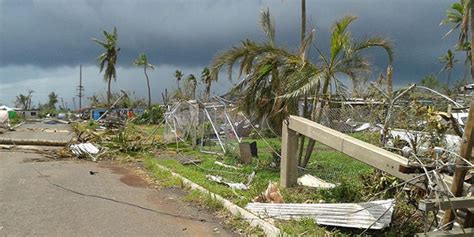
(289, 159)
(460, 172)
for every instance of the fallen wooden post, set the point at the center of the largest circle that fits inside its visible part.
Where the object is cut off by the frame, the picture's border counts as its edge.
(446, 204)
(468, 232)
(32, 142)
(372, 155)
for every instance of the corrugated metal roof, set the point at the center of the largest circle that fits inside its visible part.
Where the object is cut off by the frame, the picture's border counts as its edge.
(373, 215)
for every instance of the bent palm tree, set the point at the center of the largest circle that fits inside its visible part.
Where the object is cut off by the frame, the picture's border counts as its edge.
(266, 69)
(142, 61)
(108, 59)
(207, 80)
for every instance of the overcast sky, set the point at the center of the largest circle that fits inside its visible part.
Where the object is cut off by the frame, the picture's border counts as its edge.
(43, 42)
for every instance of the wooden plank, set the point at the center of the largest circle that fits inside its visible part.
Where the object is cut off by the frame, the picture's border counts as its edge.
(460, 173)
(445, 204)
(362, 151)
(289, 160)
(458, 233)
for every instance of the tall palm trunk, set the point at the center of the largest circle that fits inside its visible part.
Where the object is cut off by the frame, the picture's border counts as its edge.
(109, 94)
(318, 115)
(194, 90)
(148, 85)
(448, 91)
(305, 105)
(303, 19)
(472, 36)
(389, 80)
(208, 91)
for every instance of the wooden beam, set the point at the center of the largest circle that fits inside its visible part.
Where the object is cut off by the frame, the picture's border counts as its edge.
(367, 153)
(362, 151)
(289, 159)
(458, 233)
(445, 204)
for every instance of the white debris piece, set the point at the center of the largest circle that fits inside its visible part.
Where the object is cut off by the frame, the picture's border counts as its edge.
(373, 215)
(219, 179)
(224, 165)
(85, 149)
(362, 127)
(311, 181)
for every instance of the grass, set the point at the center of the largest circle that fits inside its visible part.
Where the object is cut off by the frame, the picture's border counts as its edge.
(325, 163)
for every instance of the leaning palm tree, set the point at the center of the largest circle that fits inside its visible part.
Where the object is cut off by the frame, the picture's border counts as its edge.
(142, 61)
(178, 74)
(192, 79)
(448, 62)
(108, 59)
(207, 80)
(265, 69)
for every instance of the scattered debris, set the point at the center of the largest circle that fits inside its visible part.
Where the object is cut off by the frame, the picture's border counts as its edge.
(368, 215)
(311, 181)
(219, 179)
(189, 162)
(224, 165)
(85, 149)
(272, 194)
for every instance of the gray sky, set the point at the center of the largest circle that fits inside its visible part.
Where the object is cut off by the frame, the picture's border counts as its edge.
(42, 42)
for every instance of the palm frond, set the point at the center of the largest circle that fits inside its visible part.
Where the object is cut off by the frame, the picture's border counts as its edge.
(267, 25)
(375, 42)
(305, 89)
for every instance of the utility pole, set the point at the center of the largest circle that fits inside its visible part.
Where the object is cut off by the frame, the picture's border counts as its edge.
(80, 87)
(74, 102)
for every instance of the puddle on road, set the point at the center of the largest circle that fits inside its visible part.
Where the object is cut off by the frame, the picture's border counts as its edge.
(128, 177)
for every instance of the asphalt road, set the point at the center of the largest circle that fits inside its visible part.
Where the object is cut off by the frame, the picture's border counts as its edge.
(40, 197)
(41, 131)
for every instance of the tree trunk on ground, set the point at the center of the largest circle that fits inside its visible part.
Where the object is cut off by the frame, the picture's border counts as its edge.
(148, 85)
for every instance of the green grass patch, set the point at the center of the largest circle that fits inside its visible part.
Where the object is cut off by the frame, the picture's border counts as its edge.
(164, 177)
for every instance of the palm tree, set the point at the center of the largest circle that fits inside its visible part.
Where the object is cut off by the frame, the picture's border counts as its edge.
(207, 80)
(266, 69)
(142, 61)
(458, 17)
(275, 78)
(178, 74)
(108, 57)
(193, 81)
(448, 62)
(344, 51)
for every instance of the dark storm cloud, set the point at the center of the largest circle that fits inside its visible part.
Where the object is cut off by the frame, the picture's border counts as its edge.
(57, 33)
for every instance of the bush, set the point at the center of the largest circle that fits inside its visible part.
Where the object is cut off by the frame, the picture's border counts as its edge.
(151, 116)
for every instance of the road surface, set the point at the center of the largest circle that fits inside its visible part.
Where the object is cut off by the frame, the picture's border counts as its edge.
(41, 197)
